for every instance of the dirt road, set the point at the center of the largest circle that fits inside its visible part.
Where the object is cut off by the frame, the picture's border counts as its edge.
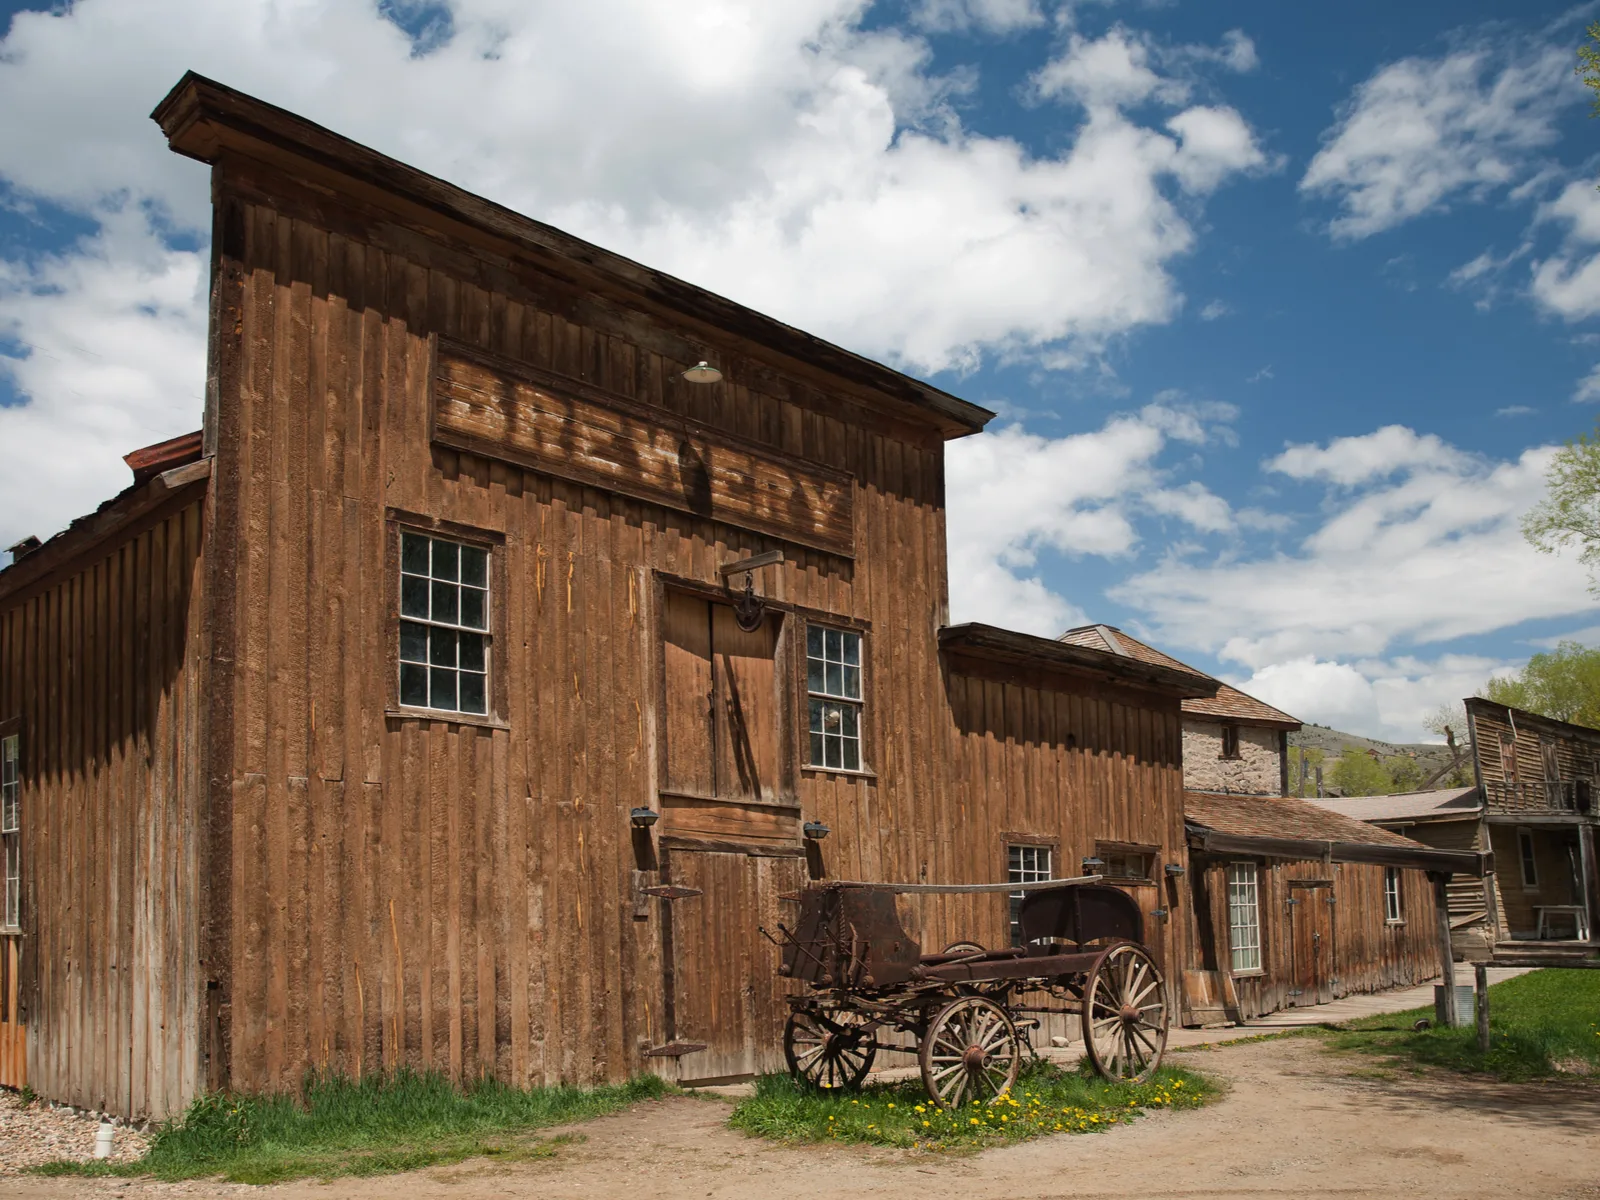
(1295, 1123)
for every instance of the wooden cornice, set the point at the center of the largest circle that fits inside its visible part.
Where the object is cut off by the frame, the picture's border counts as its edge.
(209, 121)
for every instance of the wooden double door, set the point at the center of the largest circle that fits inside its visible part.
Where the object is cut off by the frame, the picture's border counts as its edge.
(730, 835)
(1311, 936)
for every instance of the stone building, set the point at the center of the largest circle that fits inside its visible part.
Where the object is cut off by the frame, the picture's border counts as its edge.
(1232, 742)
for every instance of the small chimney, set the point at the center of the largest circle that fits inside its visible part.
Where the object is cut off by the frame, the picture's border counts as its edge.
(24, 548)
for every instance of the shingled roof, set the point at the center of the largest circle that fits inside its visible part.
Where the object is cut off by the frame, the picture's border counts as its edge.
(1282, 817)
(1228, 704)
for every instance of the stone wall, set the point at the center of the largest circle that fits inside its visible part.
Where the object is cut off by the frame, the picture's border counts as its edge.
(1257, 771)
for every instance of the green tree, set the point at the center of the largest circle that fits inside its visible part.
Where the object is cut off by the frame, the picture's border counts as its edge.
(1588, 68)
(1357, 773)
(1569, 514)
(1563, 683)
(1405, 773)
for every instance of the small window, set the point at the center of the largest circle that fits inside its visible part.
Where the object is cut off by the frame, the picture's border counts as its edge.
(1244, 918)
(1508, 758)
(11, 832)
(1392, 911)
(1230, 741)
(1530, 866)
(833, 681)
(1024, 864)
(444, 624)
(1124, 865)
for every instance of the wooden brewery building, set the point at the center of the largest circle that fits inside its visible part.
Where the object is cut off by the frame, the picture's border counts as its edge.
(520, 627)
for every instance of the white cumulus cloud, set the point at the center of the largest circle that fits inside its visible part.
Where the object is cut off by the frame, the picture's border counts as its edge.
(1423, 131)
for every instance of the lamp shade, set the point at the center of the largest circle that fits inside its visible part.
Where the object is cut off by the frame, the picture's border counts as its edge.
(703, 372)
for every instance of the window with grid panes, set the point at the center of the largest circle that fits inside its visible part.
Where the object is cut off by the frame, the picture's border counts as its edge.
(444, 624)
(1024, 864)
(833, 679)
(1244, 917)
(11, 831)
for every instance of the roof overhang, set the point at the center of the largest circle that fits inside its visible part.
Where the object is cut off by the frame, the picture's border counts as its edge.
(1024, 650)
(209, 121)
(1455, 862)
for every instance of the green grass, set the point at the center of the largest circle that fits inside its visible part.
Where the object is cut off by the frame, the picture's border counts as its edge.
(338, 1127)
(1045, 1100)
(1540, 1024)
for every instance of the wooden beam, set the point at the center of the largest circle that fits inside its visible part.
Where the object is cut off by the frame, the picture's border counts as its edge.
(1480, 977)
(1447, 958)
(770, 559)
(1458, 862)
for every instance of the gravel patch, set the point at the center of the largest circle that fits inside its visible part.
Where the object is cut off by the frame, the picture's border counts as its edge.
(36, 1133)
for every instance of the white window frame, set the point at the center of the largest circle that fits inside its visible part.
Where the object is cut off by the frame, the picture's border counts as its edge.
(11, 832)
(1393, 897)
(836, 698)
(1244, 918)
(1527, 859)
(435, 623)
(1026, 863)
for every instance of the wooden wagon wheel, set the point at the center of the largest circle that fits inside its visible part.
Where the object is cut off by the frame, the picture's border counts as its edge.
(828, 1049)
(1125, 1013)
(963, 948)
(971, 1052)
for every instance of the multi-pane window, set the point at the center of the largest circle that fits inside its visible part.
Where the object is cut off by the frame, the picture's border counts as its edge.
(1392, 911)
(1024, 864)
(11, 832)
(833, 679)
(1530, 864)
(444, 624)
(1244, 917)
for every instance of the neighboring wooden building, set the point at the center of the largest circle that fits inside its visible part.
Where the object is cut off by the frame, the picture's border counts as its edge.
(412, 714)
(1446, 819)
(1232, 742)
(1293, 905)
(1538, 781)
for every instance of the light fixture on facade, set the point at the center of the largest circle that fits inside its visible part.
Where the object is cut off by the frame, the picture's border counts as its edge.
(1174, 869)
(703, 372)
(1091, 866)
(815, 830)
(644, 817)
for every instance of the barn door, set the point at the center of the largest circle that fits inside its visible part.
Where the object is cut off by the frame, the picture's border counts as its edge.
(723, 974)
(1311, 935)
(722, 694)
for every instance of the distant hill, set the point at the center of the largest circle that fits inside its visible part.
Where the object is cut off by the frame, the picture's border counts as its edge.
(1333, 742)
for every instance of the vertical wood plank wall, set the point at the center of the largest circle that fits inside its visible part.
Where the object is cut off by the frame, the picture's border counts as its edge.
(454, 896)
(1063, 762)
(1369, 954)
(101, 669)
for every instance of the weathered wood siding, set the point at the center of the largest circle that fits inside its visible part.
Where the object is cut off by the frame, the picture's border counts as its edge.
(1368, 953)
(101, 667)
(462, 895)
(1061, 762)
(1531, 765)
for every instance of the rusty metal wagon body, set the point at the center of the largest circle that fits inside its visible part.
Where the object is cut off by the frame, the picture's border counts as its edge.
(967, 1011)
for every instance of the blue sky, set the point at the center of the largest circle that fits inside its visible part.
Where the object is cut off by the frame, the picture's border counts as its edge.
(1283, 317)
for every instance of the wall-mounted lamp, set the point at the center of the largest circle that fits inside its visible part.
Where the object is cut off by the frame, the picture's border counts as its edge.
(703, 372)
(815, 830)
(1174, 869)
(644, 817)
(1091, 866)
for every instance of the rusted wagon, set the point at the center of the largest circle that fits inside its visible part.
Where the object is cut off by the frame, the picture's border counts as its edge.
(967, 1012)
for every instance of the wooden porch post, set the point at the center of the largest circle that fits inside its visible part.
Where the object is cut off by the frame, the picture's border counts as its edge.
(1586, 868)
(1480, 976)
(1447, 958)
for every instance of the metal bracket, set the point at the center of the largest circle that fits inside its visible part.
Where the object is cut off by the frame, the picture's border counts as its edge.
(674, 1049)
(670, 891)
